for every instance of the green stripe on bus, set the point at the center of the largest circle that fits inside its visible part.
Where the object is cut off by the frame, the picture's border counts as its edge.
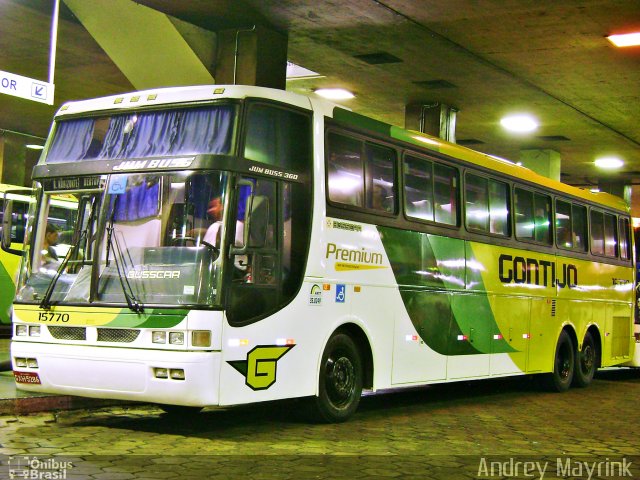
(151, 318)
(430, 271)
(360, 121)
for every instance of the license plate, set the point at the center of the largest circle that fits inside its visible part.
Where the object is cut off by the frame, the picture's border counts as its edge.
(27, 377)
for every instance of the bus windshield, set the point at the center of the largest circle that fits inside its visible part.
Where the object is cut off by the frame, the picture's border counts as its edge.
(138, 239)
(187, 131)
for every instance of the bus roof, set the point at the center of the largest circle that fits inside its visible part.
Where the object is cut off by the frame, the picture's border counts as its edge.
(203, 93)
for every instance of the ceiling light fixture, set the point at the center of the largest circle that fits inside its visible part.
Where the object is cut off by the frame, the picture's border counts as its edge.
(335, 93)
(519, 123)
(608, 163)
(625, 40)
(32, 146)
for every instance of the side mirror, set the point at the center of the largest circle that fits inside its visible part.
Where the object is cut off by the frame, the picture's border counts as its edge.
(6, 228)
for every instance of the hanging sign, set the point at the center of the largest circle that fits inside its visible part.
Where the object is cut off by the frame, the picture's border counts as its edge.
(25, 87)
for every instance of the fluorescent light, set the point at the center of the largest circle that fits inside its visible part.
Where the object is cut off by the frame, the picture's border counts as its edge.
(626, 40)
(34, 147)
(335, 93)
(594, 190)
(609, 163)
(519, 123)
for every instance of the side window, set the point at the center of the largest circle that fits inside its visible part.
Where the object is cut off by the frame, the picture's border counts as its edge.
(430, 191)
(361, 174)
(571, 226)
(476, 203)
(345, 171)
(533, 216)
(418, 188)
(579, 227)
(487, 205)
(597, 232)
(445, 194)
(625, 243)
(610, 235)
(380, 169)
(278, 137)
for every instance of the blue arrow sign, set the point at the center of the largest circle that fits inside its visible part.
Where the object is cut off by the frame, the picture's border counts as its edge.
(25, 87)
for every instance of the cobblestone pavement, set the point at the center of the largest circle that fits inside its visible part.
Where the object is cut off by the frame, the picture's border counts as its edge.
(465, 430)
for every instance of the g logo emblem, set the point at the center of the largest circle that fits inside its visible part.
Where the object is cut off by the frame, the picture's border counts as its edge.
(260, 367)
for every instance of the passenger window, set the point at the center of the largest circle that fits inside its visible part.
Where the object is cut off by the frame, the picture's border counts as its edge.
(597, 232)
(445, 194)
(476, 203)
(345, 171)
(625, 252)
(571, 226)
(533, 216)
(361, 174)
(430, 191)
(610, 236)
(380, 168)
(418, 188)
(487, 205)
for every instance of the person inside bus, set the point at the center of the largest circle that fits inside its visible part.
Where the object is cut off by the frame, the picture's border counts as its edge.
(50, 241)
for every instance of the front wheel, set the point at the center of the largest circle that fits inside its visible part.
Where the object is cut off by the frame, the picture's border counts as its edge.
(563, 365)
(340, 380)
(586, 362)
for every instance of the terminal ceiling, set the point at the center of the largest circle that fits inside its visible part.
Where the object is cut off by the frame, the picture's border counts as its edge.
(486, 58)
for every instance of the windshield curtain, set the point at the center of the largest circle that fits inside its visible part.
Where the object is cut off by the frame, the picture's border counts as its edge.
(155, 239)
(205, 130)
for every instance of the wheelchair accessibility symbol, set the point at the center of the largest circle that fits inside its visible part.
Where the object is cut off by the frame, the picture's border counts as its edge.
(341, 292)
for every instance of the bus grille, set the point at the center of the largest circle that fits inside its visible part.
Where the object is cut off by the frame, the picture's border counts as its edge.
(68, 333)
(120, 335)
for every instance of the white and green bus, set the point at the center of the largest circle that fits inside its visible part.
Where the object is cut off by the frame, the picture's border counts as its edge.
(239, 244)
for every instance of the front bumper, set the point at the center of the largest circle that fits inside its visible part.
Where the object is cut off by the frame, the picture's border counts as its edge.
(120, 373)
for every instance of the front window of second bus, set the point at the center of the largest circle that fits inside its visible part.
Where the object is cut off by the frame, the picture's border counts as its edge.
(162, 239)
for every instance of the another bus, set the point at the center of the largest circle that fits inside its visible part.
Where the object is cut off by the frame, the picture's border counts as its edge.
(21, 199)
(238, 244)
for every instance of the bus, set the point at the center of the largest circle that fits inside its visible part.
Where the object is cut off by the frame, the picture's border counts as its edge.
(238, 244)
(21, 198)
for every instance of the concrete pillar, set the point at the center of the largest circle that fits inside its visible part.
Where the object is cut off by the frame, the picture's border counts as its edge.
(17, 161)
(543, 162)
(434, 118)
(252, 56)
(616, 187)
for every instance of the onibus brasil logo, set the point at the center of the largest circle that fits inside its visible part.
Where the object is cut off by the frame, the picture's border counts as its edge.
(260, 367)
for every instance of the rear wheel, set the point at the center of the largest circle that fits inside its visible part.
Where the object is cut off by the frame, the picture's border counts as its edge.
(340, 380)
(564, 364)
(586, 362)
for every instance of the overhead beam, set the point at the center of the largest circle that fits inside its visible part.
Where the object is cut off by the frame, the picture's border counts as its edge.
(144, 44)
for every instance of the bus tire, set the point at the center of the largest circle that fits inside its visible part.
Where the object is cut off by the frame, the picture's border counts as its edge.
(563, 364)
(586, 362)
(340, 381)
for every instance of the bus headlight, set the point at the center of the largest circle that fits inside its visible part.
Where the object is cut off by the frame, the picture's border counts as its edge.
(201, 338)
(21, 330)
(161, 372)
(21, 362)
(159, 337)
(34, 330)
(176, 338)
(176, 373)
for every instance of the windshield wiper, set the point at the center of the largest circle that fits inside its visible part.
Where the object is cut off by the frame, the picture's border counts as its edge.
(112, 244)
(46, 300)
